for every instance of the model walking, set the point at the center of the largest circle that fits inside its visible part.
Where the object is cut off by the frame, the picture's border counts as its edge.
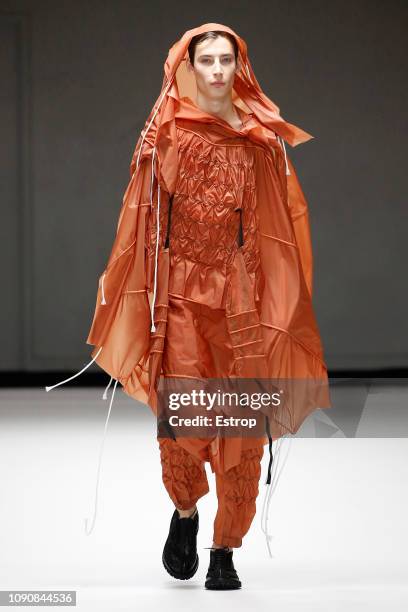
(210, 276)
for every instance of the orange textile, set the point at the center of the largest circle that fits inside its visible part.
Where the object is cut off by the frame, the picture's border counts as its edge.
(214, 176)
(185, 479)
(215, 193)
(198, 345)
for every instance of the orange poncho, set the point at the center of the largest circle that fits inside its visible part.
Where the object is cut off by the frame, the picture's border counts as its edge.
(274, 266)
(129, 345)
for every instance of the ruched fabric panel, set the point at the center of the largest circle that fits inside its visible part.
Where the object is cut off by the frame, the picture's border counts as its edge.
(237, 491)
(216, 184)
(183, 474)
(185, 479)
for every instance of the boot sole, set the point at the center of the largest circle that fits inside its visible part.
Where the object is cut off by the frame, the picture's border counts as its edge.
(177, 575)
(222, 586)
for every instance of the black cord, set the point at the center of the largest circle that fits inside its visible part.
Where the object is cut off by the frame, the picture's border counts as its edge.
(166, 246)
(268, 431)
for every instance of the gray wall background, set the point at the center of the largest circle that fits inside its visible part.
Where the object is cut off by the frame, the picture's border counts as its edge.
(78, 79)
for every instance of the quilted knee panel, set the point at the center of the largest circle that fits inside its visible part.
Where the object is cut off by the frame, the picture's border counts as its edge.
(183, 474)
(242, 481)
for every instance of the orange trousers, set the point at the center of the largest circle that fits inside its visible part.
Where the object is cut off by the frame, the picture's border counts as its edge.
(197, 345)
(185, 479)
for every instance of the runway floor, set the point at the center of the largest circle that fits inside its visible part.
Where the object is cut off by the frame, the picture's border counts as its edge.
(337, 516)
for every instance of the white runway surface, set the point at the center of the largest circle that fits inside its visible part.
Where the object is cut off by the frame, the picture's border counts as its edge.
(338, 515)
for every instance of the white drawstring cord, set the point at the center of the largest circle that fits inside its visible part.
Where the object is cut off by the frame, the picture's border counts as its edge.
(153, 327)
(75, 375)
(152, 178)
(103, 301)
(151, 121)
(89, 531)
(105, 393)
(270, 491)
(284, 152)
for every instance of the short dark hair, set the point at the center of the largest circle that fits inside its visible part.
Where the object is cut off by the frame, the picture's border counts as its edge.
(213, 34)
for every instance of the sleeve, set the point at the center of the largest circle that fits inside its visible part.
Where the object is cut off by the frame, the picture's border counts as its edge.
(300, 220)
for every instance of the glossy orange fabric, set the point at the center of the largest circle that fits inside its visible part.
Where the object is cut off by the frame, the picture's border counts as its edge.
(216, 186)
(198, 345)
(185, 479)
(265, 285)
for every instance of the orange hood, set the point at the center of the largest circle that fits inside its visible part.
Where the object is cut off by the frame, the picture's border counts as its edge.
(159, 130)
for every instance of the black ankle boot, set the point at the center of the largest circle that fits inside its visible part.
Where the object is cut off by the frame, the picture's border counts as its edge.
(180, 551)
(221, 572)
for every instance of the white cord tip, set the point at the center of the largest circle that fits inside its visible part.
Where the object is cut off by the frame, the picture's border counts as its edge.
(88, 531)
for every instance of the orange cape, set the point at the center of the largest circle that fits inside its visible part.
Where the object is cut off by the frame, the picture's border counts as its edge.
(126, 346)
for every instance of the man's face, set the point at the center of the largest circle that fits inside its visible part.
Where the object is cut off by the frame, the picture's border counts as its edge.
(214, 61)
